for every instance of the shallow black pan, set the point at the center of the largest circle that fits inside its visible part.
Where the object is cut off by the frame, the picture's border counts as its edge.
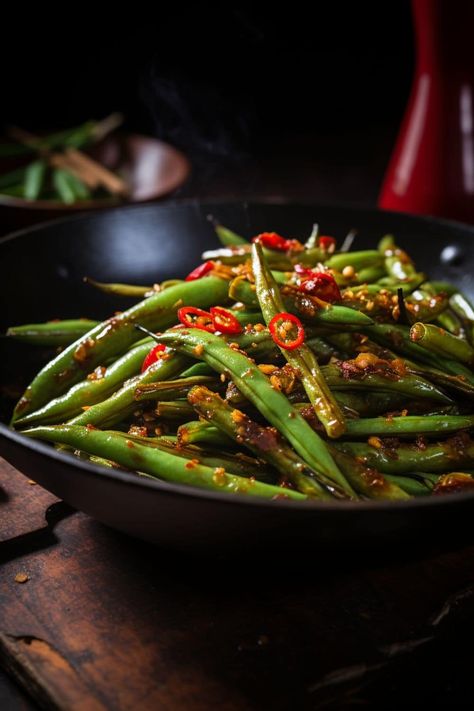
(41, 273)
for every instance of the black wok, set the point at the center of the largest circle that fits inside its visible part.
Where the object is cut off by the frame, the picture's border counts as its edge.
(41, 271)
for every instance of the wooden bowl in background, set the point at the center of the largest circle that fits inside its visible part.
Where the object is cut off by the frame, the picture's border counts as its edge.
(151, 167)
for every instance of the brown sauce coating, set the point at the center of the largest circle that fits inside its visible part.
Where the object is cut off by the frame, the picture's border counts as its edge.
(454, 483)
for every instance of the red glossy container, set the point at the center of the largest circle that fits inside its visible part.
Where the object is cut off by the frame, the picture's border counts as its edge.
(431, 170)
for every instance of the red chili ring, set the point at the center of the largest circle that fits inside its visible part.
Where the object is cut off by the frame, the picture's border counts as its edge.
(294, 320)
(224, 321)
(186, 311)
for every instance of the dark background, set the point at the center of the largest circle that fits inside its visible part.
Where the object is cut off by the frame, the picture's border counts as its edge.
(224, 82)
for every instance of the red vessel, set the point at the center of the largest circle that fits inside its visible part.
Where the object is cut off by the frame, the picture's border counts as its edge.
(431, 170)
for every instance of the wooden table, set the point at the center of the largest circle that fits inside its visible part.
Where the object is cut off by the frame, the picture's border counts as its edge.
(107, 622)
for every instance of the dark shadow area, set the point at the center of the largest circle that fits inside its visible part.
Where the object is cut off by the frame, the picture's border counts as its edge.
(12, 698)
(291, 629)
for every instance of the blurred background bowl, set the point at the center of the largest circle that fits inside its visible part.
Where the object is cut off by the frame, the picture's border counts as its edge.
(153, 169)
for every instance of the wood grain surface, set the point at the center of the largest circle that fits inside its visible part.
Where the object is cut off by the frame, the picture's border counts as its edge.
(108, 622)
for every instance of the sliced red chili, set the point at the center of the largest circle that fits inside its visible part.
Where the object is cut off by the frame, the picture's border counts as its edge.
(327, 243)
(193, 317)
(153, 356)
(200, 271)
(322, 285)
(281, 325)
(272, 240)
(303, 271)
(224, 321)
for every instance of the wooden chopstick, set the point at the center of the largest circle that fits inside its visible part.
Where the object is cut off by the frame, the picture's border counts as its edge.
(92, 173)
(95, 170)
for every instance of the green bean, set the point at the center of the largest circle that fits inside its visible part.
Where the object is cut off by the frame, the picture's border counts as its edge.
(301, 358)
(174, 410)
(34, 178)
(389, 284)
(462, 305)
(197, 369)
(120, 289)
(113, 336)
(235, 463)
(370, 403)
(408, 426)
(451, 322)
(253, 384)
(429, 308)
(226, 237)
(434, 458)
(263, 442)
(370, 274)
(358, 260)
(398, 338)
(453, 383)
(414, 483)
(245, 317)
(411, 385)
(367, 480)
(443, 287)
(158, 463)
(386, 243)
(442, 342)
(80, 189)
(323, 349)
(457, 383)
(464, 310)
(51, 333)
(172, 389)
(62, 186)
(199, 432)
(243, 291)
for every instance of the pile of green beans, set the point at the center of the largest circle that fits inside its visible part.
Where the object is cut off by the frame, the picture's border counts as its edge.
(374, 401)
